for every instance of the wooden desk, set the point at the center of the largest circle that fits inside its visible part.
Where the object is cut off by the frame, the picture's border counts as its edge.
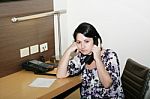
(15, 86)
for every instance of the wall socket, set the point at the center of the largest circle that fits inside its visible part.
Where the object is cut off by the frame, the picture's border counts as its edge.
(34, 49)
(43, 47)
(24, 52)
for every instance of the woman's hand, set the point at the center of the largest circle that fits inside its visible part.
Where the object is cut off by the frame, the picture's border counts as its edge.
(72, 47)
(97, 52)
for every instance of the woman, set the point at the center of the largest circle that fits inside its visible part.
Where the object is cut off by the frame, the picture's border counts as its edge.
(99, 68)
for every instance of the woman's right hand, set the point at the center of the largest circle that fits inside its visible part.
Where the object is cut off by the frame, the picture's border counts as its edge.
(72, 47)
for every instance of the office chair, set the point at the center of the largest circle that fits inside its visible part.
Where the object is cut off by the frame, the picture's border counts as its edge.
(135, 80)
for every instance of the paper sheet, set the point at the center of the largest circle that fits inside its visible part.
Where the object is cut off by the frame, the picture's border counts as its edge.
(42, 82)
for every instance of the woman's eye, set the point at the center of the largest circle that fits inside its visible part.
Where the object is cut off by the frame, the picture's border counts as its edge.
(86, 41)
(78, 42)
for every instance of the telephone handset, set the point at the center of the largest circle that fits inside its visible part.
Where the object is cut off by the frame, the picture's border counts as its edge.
(89, 58)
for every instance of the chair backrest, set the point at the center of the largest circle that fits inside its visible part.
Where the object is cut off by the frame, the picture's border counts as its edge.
(135, 79)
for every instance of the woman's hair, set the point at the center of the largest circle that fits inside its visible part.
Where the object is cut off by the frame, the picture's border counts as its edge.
(88, 30)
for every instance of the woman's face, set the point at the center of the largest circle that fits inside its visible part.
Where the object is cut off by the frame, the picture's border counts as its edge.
(84, 44)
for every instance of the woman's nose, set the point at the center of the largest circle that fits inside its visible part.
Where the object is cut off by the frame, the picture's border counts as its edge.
(82, 45)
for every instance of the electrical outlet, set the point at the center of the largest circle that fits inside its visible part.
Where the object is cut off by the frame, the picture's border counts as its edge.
(24, 52)
(43, 47)
(34, 49)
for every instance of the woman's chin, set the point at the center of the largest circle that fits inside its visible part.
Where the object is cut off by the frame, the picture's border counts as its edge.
(86, 53)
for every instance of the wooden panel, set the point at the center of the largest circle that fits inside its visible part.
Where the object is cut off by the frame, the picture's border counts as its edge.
(14, 36)
(22, 7)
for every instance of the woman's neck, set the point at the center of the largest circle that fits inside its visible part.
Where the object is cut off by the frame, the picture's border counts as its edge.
(91, 66)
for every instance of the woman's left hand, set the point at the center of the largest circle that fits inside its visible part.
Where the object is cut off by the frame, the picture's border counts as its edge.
(97, 52)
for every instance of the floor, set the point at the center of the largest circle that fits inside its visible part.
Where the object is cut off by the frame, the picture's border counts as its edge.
(74, 95)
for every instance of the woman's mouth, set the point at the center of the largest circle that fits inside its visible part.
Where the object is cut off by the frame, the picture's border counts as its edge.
(84, 52)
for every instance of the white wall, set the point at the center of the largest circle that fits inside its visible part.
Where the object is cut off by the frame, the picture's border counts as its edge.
(123, 24)
(60, 5)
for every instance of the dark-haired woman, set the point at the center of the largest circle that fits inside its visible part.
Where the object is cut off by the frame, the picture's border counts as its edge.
(99, 67)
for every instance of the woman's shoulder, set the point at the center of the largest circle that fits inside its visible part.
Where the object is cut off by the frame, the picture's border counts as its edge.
(109, 52)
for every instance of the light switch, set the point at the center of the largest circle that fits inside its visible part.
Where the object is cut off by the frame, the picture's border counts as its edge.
(24, 52)
(34, 49)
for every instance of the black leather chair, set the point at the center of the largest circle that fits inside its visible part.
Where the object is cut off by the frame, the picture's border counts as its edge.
(135, 79)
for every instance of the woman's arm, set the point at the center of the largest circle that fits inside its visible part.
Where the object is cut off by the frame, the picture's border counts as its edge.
(62, 66)
(63, 63)
(102, 72)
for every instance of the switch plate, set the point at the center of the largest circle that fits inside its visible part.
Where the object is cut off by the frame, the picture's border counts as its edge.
(43, 47)
(24, 52)
(34, 49)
